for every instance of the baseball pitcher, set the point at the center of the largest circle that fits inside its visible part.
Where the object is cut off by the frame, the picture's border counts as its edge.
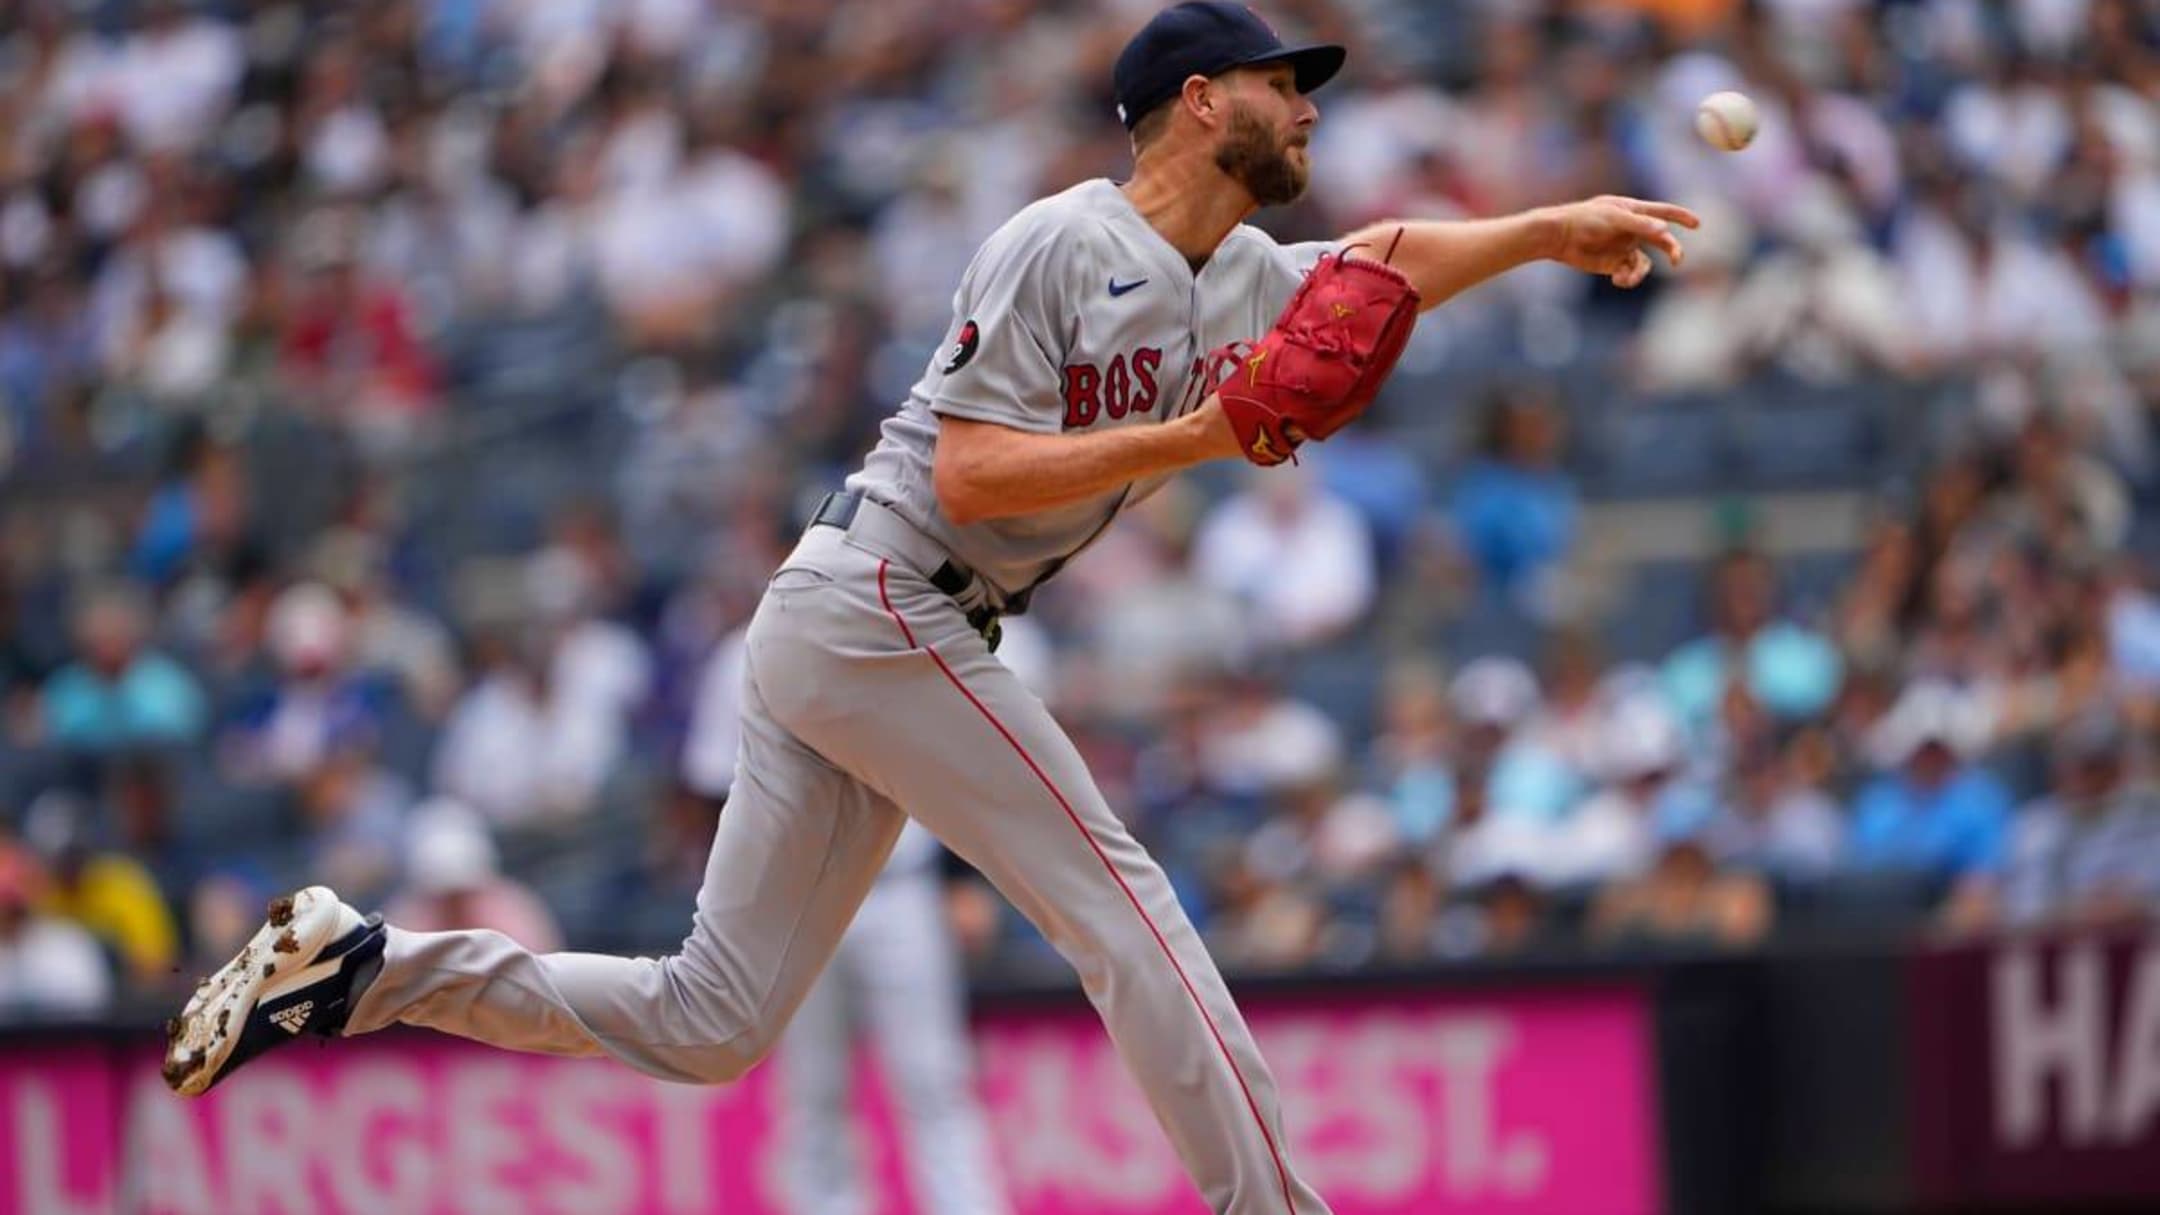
(1103, 339)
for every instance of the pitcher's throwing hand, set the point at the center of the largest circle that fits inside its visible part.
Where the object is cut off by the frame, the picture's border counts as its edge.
(1611, 236)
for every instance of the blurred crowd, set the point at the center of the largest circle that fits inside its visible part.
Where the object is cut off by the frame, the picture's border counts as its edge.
(399, 402)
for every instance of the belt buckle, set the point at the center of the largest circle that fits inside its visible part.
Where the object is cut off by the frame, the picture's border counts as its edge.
(984, 618)
(985, 621)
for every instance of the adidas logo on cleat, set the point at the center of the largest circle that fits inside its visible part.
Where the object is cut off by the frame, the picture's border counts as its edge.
(293, 1020)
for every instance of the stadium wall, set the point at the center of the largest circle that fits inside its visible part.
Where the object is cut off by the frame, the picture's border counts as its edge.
(2021, 1076)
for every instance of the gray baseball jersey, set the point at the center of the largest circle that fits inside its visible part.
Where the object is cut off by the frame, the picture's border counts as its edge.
(1075, 316)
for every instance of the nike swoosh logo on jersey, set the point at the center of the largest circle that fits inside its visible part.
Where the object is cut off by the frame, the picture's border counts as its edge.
(1117, 288)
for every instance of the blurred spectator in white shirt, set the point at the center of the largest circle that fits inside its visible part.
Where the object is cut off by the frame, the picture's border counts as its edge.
(2089, 851)
(48, 967)
(563, 43)
(446, 226)
(2012, 124)
(641, 141)
(600, 669)
(1412, 757)
(1155, 621)
(1480, 846)
(2134, 213)
(1261, 741)
(1491, 697)
(1373, 142)
(1513, 130)
(1616, 833)
(1851, 135)
(345, 144)
(1324, 835)
(1299, 560)
(352, 817)
(555, 236)
(668, 251)
(1690, 339)
(745, 210)
(2065, 496)
(1497, 707)
(2131, 620)
(1570, 720)
(513, 748)
(715, 733)
(546, 725)
(921, 244)
(1975, 287)
(1773, 819)
(319, 702)
(172, 355)
(1825, 306)
(389, 637)
(198, 269)
(453, 880)
(1821, 304)
(175, 77)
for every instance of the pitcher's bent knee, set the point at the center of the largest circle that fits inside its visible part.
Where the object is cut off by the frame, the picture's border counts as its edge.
(703, 1035)
(715, 1063)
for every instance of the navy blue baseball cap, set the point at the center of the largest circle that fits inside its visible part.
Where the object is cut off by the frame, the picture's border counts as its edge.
(1206, 38)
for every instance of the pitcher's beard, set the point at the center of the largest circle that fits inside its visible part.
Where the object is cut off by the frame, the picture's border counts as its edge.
(1251, 156)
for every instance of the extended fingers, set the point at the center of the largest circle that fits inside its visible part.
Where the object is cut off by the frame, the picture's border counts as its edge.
(1672, 213)
(1619, 232)
(1653, 232)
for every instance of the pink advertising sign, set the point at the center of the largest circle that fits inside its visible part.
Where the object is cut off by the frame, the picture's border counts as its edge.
(1534, 1103)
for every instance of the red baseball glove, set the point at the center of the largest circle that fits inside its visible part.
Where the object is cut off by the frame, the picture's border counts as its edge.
(1322, 363)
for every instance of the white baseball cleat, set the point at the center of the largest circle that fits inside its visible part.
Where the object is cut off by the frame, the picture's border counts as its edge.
(295, 976)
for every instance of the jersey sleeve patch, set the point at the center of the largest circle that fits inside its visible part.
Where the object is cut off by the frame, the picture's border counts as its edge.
(962, 349)
(1000, 361)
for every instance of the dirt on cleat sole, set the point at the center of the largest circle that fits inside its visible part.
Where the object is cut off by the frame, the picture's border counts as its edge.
(199, 1043)
(178, 1069)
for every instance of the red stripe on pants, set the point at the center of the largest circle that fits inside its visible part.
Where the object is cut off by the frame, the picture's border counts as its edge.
(1282, 1173)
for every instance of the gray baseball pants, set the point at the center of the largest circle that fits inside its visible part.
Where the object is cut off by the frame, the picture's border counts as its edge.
(865, 691)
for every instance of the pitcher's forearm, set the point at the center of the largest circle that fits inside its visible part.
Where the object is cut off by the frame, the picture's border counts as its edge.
(987, 471)
(1444, 258)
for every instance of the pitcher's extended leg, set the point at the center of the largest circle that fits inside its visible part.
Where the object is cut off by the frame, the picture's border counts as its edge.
(797, 849)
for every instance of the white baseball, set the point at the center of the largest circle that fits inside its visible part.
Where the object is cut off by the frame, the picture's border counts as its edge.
(1726, 120)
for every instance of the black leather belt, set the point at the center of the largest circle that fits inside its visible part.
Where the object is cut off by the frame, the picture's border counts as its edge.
(839, 509)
